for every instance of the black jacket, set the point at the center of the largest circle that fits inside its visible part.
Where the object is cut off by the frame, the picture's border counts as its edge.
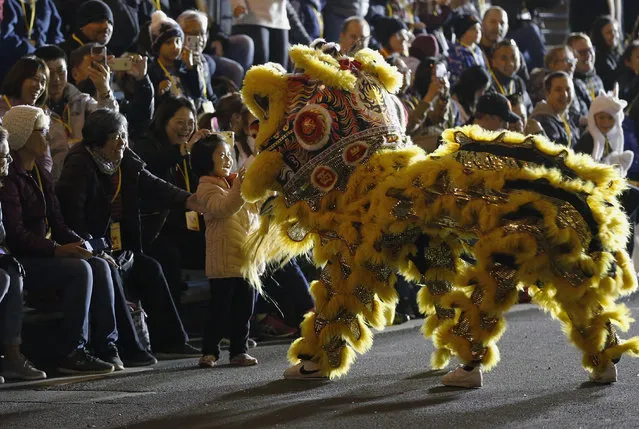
(83, 191)
(163, 159)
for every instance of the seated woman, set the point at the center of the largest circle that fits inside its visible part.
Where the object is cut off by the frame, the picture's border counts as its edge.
(53, 256)
(472, 84)
(100, 191)
(430, 109)
(27, 83)
(166, 151)
(14, 364)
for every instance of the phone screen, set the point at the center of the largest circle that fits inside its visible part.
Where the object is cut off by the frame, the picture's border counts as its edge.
(99, 54)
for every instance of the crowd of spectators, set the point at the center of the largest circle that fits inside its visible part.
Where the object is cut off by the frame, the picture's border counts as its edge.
(124, 141)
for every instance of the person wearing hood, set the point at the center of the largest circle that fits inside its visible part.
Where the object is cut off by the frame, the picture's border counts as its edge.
(604, 137)
(93, 23)
(552, 114)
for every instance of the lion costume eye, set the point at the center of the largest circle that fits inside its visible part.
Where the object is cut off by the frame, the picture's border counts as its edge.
(312, 127)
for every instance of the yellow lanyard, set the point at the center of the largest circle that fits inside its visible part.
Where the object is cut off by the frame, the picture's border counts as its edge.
(67, 125)
(46, 220)
(511, 88)
(6, 100)
(185, 175)
(472, 53)
(568, 130)
(77, 39)
(205, 93)
(169, 75)
(32, 19)
(591, 89)
(157, 4)
(117, 189)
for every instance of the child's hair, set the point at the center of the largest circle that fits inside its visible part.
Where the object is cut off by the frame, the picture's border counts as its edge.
(202, 154)
(227, 106)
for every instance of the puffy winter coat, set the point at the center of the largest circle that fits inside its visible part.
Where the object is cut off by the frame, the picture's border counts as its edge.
(228, 220)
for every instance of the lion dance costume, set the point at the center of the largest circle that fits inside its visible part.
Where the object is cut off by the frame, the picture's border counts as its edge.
(484, 215)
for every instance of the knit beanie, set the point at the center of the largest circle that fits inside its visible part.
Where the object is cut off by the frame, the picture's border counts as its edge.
(19, 122)
(92, 11)
(386, 27)
(462, 23)
(424, 45)
(161, 29)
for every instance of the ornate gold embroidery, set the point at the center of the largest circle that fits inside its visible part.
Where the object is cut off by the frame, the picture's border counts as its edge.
(439, 287)
(506, 281)
(333, 351)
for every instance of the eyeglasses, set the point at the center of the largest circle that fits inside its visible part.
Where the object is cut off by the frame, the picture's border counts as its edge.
(571, 61)
(586, 51)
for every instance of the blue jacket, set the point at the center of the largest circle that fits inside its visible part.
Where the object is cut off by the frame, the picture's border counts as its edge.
(14, 42)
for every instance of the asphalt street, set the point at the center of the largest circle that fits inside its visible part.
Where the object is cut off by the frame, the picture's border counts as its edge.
(539, 383)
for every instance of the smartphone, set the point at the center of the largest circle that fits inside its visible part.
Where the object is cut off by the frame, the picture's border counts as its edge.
(121, 64)
(99, 54)
(96, 244)
(192, 43)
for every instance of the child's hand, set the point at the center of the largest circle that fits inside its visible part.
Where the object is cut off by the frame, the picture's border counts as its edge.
(241, 174)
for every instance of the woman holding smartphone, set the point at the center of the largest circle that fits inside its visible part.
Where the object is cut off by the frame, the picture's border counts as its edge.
(430, 110)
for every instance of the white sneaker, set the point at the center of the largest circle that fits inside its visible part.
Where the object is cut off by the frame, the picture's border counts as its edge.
(1, 379)
(609, 375)
(305, 370)
(460, 377)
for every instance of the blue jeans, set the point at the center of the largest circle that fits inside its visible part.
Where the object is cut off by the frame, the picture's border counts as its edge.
(271, 44)
(11, 306)
(241, 49)
(87, 295)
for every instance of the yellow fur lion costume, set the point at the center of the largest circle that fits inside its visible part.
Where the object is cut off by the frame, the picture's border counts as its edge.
(483, 216)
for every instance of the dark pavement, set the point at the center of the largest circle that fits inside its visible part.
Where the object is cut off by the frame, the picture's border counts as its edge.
(539, 383)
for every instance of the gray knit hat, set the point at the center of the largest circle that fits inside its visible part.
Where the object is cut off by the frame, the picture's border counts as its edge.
(19, 122)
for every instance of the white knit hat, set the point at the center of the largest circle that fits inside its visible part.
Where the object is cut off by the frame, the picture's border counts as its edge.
(20, 121)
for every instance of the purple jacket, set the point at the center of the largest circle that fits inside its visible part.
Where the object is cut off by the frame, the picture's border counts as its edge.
(26, 211)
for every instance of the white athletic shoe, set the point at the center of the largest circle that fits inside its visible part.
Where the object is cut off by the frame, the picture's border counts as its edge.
(460, 377)
(609, 375)
(305, 370)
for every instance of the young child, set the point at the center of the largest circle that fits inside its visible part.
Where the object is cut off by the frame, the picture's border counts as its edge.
(173, 69)
(229, 220)
(504, 63)
(603, 139)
